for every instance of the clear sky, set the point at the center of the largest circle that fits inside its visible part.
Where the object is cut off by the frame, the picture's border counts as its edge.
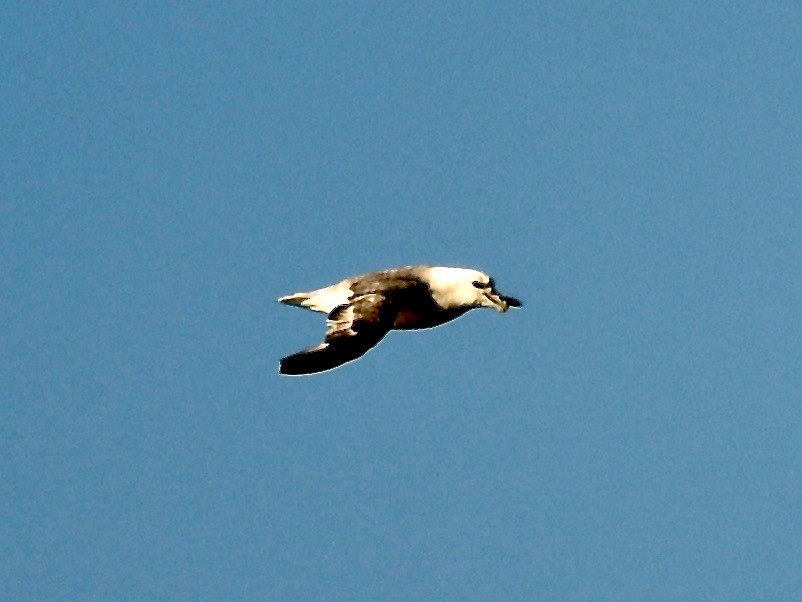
(632, 171)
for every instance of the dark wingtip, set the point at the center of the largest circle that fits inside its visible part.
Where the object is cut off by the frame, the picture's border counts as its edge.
(319, 359)
(296, 365)
(511, 301)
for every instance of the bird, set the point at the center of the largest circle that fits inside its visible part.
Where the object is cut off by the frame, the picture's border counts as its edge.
(362, 309)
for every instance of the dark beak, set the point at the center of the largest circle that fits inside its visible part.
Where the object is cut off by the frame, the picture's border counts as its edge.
(511, 301)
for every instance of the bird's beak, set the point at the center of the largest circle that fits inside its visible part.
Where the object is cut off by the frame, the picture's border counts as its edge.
(510, 301)
(502, 302)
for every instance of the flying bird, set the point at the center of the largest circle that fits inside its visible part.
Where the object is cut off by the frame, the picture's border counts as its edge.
(361, 310)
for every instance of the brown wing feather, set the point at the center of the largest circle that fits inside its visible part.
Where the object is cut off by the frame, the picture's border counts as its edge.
(353, 329)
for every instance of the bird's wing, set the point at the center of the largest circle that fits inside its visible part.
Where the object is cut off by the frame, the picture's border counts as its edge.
(353, 329)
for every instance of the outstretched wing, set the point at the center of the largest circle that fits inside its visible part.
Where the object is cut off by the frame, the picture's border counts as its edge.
(353, 329)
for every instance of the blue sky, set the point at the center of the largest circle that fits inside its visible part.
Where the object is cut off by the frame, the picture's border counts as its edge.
(630, 170)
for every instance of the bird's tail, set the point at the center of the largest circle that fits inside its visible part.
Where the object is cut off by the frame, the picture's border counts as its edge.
(323, 299)
(294, 299)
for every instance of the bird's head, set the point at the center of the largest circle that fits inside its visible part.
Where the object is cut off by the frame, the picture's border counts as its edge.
(452, 288)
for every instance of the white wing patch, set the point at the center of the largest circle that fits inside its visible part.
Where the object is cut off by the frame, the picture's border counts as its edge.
(341, 322)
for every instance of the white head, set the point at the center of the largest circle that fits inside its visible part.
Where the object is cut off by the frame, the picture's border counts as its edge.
(459, 287)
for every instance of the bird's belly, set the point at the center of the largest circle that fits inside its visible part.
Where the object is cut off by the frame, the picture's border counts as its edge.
(411, 319)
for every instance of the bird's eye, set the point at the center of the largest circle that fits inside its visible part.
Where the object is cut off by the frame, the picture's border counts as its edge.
(478, 284)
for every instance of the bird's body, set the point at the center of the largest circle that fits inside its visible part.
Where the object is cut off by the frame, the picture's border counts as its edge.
(361, 310)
